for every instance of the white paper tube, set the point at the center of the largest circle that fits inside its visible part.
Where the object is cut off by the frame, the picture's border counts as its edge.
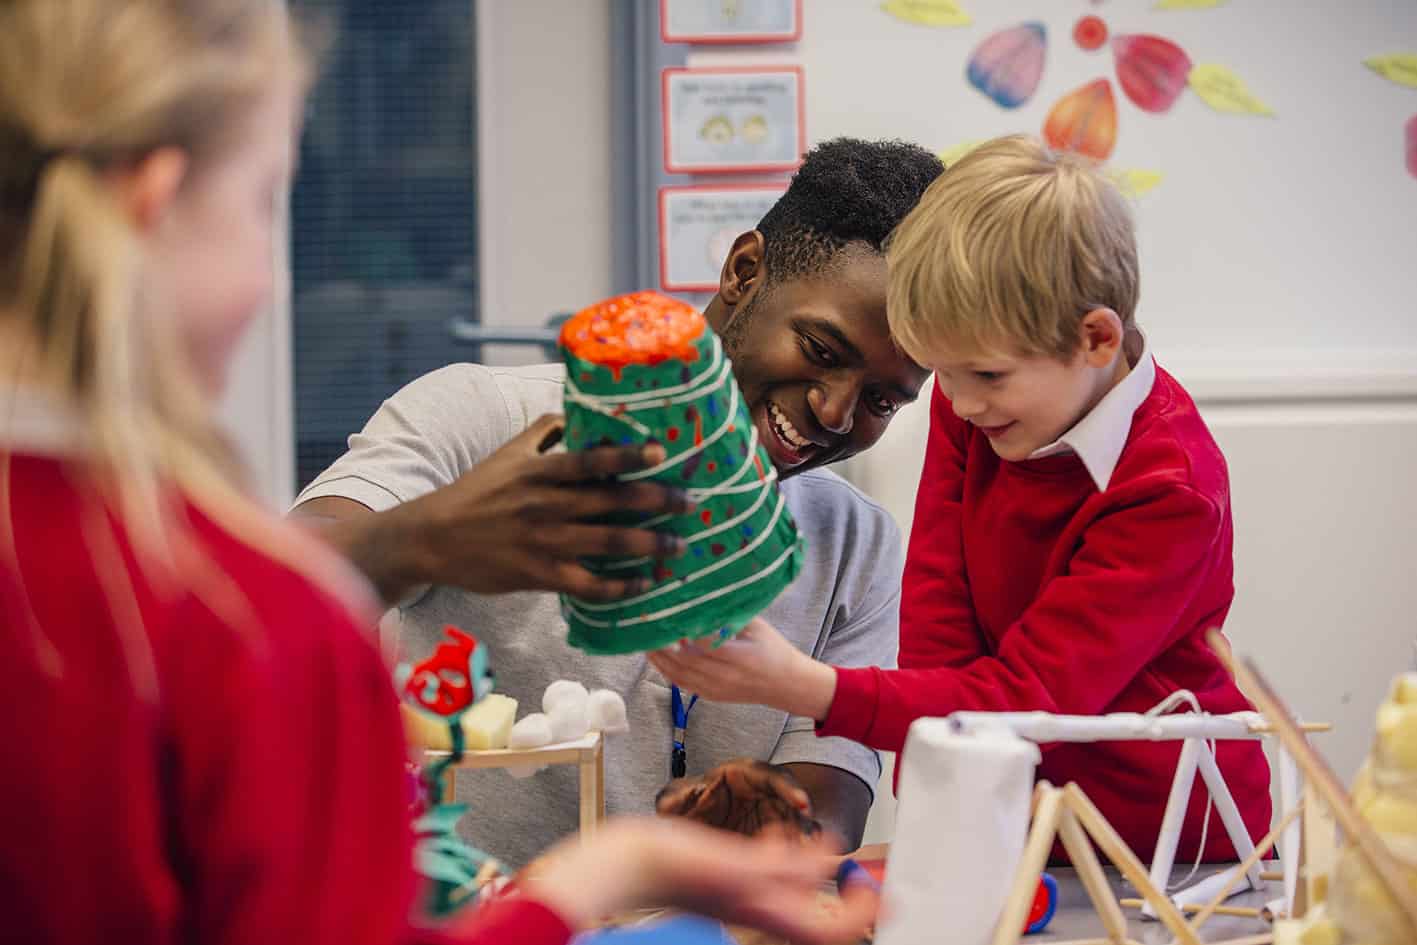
(961, 822)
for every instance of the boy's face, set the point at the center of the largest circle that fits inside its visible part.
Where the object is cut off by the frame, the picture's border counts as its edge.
(1021, 402)
(814, 358)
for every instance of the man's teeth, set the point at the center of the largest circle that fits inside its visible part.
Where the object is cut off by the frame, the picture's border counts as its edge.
(786, 430)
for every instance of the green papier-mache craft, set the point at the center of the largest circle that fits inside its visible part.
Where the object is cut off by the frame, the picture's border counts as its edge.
(645, 367)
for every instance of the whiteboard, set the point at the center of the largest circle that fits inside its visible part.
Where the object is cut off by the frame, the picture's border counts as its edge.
(1275, 250)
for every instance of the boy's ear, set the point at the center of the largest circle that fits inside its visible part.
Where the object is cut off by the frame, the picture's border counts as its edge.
(744, 269)
(1102, 335)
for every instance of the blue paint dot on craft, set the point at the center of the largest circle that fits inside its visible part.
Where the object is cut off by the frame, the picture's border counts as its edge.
(712, 406)
(748, 530)
(627, 440)
(698, 551)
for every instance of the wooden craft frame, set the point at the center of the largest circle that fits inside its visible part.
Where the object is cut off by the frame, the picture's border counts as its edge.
(586, 753)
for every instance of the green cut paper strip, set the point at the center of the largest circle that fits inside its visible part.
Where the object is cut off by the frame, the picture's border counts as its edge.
(744, 547)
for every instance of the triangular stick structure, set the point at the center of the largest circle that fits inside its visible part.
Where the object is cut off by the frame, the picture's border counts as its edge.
(1067, 814)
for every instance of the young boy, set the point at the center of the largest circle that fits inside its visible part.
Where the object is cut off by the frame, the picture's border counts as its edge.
(1072, 540)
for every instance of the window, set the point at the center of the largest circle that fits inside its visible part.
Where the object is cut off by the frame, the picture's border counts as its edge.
(383, 213)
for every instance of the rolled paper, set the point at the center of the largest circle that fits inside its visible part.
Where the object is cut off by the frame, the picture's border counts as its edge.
(961, 823)
(645, 367)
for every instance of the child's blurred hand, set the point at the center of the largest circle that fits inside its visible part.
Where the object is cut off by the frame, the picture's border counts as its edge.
(759, 666)
(767, 883)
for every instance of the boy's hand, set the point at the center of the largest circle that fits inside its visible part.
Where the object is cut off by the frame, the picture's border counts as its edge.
(759, 666)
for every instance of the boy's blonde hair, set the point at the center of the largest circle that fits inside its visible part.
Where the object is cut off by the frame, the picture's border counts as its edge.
(1007, 251)
(87, 87)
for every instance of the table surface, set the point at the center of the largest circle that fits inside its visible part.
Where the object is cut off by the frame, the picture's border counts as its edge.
(1075, 917)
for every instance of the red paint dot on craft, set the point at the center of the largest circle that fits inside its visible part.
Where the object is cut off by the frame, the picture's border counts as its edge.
(717, 549)
(712, 467)
(662, 573)
(707, 516)
(672, 433)
(1090, 33)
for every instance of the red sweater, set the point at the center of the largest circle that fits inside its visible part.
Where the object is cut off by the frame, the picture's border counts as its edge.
(1028, 589)
(211, 756)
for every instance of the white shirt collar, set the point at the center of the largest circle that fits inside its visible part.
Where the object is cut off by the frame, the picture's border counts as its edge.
(1098, 438)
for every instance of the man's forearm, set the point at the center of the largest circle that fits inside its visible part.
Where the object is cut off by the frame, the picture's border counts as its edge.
(840, 800)
(385, 546)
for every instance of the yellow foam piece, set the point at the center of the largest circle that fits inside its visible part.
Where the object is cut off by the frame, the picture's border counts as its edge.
(486, 725)
(489, 723)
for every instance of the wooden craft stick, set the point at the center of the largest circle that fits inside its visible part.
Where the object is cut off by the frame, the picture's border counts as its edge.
(1125, 860)
(1244, 912)
(1259, 851)
(1321, 779)
(1089, 870)
(1308, 728)
(1271, 876)
(1014, 916)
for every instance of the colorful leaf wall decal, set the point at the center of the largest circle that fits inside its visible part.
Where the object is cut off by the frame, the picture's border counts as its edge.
(928, 12)
(1152, 70)
(1397, 67)
(1084, 120)
(1223, 90)
(1008, 65)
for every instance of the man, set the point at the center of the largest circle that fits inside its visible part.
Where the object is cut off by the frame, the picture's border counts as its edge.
(801, 312)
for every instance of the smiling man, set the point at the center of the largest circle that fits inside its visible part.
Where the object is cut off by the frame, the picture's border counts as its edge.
(801, 309)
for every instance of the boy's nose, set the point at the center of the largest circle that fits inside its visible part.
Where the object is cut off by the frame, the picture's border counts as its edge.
(967, 408)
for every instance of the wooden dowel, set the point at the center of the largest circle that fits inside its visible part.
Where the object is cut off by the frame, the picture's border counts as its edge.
(1322, 780)
(1259, 851)
(1121, 855)
(1247, 912)
(1014, 916)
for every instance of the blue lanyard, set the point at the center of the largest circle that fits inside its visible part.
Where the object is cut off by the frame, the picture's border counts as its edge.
(679, 759)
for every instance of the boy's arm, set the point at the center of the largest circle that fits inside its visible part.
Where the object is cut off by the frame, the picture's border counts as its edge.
(937, 622)
(1087, 636)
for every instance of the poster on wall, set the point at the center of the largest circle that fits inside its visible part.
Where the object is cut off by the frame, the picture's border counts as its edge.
(697, 227)
(733, 120)
(730, 21)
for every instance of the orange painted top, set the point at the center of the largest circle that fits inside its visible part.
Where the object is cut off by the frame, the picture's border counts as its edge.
(639, 328)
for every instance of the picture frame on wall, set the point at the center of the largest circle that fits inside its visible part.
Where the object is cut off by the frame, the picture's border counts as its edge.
(697, 227)
(717, 22)
(730, 120)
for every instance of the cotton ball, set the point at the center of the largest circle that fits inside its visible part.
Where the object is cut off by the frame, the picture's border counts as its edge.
(607, 712)
(569, 720)
(561, 690)
(531, 732)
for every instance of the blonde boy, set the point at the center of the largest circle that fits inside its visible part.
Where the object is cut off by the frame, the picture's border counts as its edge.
(1072, 539)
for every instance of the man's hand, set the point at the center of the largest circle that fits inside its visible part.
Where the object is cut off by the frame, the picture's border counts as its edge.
(744, 796)
(758, 666)
(515, 522)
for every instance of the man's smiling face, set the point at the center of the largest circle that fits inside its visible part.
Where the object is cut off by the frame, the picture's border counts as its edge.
(816, 364)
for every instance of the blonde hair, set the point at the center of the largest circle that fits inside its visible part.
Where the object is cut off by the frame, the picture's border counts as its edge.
(88, 86)
(1007, 251)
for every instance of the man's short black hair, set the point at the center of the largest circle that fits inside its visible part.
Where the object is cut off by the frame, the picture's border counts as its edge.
(846, 191)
